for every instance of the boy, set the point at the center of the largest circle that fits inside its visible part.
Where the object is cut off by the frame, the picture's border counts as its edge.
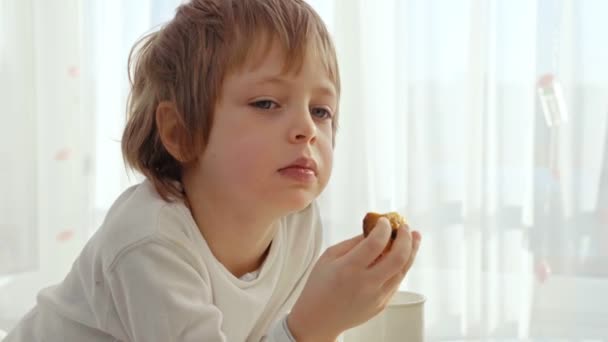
(232, 119)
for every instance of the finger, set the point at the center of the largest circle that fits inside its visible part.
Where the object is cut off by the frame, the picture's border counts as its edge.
(371, 247)
(416, 238)
(396, 259)
(343, 247)
(393, 283)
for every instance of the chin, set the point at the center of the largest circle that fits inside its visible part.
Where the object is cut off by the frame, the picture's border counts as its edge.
(295, 202)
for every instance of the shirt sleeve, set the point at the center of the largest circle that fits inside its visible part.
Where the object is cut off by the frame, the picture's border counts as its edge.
(279, 332)
(159, 296)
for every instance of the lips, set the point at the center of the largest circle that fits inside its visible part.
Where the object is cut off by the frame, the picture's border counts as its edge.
(302, 164)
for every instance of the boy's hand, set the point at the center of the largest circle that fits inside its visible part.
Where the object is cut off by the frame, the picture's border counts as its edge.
(349, 284)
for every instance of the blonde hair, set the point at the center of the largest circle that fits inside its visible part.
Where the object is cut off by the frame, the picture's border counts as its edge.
(186, 61)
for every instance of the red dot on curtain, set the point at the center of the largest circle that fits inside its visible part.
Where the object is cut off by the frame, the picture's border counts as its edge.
(63, 154)
(556, 174)
(603, 215)
(542, 271)
(65, 235)
(73, 71)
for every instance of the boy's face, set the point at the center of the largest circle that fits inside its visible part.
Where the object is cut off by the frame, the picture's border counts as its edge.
(270, 146)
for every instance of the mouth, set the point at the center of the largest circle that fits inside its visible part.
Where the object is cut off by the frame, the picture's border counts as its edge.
(301, 170)
(302, 164)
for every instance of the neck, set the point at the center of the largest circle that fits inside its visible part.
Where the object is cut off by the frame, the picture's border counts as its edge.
(239, 235)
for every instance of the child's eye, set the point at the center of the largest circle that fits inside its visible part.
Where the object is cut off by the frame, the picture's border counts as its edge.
(265, 104)
(320, 113)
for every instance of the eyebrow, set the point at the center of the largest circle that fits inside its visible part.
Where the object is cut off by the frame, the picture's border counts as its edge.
(324, 89)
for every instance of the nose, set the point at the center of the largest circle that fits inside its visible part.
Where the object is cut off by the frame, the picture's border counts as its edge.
(302, 128)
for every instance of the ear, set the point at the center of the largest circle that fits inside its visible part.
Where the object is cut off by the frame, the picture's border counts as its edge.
(169, 128)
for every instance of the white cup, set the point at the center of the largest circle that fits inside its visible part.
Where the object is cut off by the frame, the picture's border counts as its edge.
(401, 321)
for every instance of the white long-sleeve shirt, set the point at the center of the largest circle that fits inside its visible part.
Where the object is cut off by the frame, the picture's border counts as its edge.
(148, 275)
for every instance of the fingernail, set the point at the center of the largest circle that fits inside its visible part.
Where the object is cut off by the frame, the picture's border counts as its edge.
(417, 235)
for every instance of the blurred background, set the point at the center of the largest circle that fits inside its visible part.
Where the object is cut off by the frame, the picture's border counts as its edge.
(485, 122)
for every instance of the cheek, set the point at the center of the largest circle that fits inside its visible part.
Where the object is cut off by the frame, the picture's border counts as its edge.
(326, 152)
(328, 158)
(244, 159)
(239, 149)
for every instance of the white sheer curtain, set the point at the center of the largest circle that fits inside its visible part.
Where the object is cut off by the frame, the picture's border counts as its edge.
(45, 147)
(63, 86)
(440, 121)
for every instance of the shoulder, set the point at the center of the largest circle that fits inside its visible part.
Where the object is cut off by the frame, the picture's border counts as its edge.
(140, 218)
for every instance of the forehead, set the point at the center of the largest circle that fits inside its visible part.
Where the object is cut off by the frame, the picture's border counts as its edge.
(269, 61)
(253, 52)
